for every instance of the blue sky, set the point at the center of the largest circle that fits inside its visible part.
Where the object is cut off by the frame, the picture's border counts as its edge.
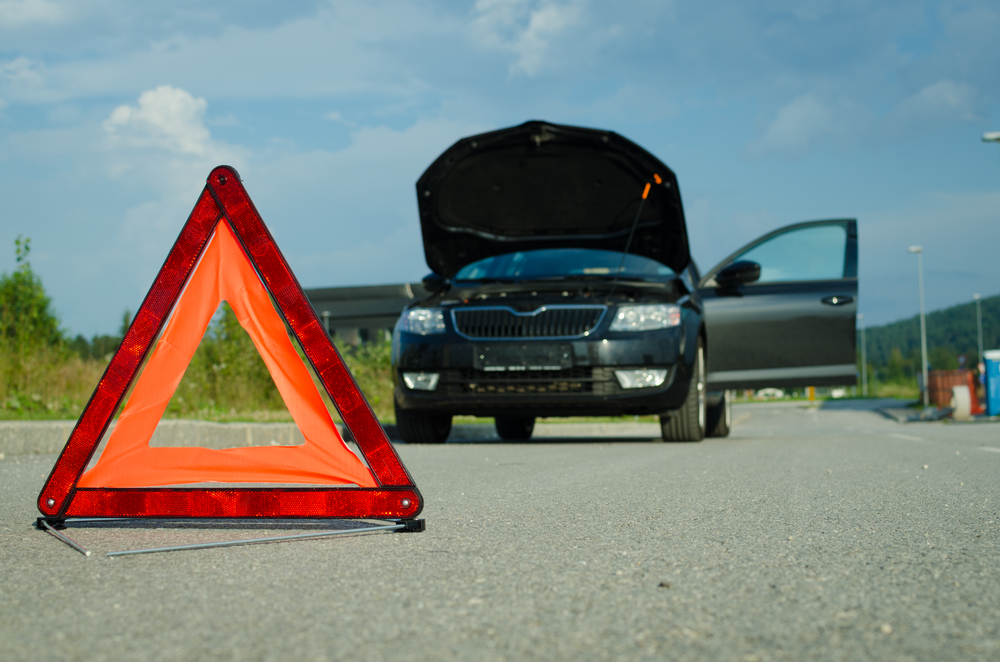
(112, 113)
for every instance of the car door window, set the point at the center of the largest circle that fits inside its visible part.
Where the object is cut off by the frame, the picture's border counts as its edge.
(810, 253)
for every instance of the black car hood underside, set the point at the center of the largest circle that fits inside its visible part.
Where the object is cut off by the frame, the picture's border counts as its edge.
(542, 185)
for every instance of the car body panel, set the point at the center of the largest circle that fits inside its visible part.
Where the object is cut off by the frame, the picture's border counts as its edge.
(784, 333)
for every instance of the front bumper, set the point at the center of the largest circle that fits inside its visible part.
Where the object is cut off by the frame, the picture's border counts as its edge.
(581, 383)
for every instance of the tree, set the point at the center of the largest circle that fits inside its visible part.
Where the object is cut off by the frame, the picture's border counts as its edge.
(27, 322)
(31, 342)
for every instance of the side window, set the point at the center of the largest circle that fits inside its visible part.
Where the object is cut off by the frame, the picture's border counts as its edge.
(816, 253)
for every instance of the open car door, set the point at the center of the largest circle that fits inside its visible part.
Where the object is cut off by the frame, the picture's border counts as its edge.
(781, 310)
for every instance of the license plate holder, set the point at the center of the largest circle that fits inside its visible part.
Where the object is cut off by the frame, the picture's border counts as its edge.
(522, 357)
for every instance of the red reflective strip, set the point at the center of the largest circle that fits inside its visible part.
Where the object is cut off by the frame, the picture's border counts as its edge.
(230, 198)
(308, 329)
(123, 367)
(245, 503)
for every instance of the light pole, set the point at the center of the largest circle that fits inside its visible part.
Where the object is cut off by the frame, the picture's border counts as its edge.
(864, 358)
(979, 326)
(919, 250)
(991, 137)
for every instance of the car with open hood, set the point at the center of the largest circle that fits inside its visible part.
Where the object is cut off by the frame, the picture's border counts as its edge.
(562, 284)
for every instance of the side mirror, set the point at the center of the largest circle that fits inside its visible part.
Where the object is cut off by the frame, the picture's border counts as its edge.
(433, 283)
(738, 273)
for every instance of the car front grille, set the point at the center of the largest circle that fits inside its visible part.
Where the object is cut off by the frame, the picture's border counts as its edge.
(471, 382)
(546, 322)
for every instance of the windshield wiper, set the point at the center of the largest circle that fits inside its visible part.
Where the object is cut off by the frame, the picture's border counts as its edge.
(489, 281)
(597, 277)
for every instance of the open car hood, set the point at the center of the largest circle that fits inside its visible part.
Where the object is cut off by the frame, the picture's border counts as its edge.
(542, 185)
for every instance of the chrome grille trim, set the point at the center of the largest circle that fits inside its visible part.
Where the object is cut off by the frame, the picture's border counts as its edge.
(556, 322)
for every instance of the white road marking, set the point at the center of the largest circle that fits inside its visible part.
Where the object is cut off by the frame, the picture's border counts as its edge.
(990, 449)
(907, 437)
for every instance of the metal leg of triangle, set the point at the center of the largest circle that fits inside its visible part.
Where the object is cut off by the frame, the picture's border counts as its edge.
(43, 524)
(403, 526)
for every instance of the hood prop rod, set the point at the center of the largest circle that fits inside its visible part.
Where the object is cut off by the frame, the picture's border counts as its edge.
(631, 233)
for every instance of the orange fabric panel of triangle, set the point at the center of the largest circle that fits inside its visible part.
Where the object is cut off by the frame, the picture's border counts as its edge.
(224, 274)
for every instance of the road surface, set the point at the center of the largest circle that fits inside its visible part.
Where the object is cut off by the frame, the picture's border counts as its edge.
(820, 534)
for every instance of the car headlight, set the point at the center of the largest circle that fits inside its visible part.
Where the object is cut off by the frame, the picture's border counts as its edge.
(423, 321)
(647, 317)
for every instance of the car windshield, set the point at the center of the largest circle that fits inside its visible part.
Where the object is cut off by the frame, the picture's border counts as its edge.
(552, 263)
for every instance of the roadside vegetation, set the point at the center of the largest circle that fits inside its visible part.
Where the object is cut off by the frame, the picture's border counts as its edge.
(40, 376)
(47, 374)
(952, 343)
(228, 381)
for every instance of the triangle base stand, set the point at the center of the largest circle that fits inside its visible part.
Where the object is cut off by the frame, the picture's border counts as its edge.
(56, 526)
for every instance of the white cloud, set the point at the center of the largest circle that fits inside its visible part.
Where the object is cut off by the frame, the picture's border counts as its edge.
(166, 117)
(797, 125)
(164, 147)
(22, 71)
(22, 13)
(942, 101)
(524, 28)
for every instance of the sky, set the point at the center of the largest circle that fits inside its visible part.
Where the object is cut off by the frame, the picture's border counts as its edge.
(112, 114)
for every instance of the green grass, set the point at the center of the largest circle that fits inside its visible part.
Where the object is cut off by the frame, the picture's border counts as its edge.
(225, 381)
(45, 385)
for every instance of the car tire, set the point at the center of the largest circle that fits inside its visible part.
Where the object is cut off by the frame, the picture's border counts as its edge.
(515, 428)
(719, 418)
(688, 423)
(421, 427)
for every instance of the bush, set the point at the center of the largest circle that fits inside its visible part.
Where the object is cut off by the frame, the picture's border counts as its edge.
(44, 375)
(39, 377)
(228, 380)
(226, 376)
(372, 369)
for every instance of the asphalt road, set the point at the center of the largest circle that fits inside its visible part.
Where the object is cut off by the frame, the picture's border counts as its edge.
(822, 534)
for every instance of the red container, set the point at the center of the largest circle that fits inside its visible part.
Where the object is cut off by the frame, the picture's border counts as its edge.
(940, 383)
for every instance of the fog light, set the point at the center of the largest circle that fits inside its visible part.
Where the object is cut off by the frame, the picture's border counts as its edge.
(424, 381)
(641, 378)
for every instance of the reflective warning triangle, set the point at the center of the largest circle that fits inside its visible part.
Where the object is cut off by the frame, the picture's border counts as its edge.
(225, 253)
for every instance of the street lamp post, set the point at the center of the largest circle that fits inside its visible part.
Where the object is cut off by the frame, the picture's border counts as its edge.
(991, 137)
(979, 325)
(864, 358)
(988, 137)
(919, 250)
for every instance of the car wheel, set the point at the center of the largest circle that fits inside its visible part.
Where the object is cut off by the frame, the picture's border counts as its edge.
(688, 422)
(421, 427)
(719, 418)
(515, 428)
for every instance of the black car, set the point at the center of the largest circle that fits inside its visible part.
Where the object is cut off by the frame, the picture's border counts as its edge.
(563, 286)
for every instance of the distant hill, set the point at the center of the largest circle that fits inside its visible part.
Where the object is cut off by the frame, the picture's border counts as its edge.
(895, 348)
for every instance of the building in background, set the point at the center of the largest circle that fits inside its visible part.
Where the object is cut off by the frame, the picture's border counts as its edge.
(360, 314)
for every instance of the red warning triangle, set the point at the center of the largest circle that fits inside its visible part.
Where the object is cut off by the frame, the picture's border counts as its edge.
(225, 253)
